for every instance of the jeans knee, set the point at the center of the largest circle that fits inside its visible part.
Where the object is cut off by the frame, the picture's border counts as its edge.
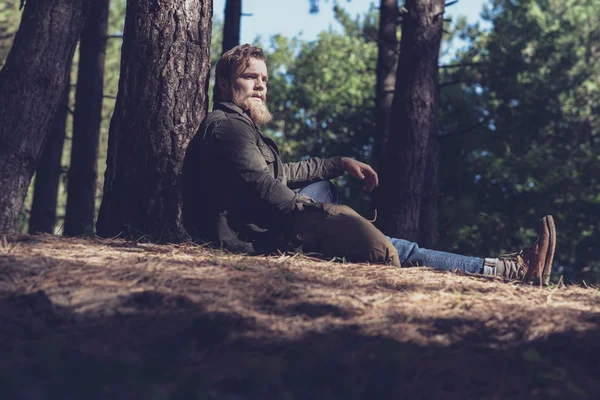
(323, 192)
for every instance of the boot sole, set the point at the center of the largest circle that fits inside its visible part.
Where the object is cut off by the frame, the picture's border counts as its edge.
(545, 276)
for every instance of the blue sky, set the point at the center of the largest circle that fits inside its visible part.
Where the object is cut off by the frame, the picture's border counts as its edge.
(291, 17)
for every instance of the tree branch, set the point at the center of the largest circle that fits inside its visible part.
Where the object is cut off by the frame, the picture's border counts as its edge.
(449, 83)
(460, 65)
(469, 129)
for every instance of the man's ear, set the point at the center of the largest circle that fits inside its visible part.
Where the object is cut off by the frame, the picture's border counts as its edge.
(223, 88)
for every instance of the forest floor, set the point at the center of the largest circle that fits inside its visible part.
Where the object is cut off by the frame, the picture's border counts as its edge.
(110, 319)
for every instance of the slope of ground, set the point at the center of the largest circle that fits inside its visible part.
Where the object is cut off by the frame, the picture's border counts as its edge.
(92, 319)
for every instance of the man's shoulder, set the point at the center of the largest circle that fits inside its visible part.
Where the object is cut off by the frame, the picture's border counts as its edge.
(220, 124)
(226, 112)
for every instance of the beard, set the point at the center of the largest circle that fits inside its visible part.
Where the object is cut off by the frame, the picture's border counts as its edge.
(259, 112)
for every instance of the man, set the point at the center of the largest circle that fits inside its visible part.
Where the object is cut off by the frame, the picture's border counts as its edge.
(239, 195)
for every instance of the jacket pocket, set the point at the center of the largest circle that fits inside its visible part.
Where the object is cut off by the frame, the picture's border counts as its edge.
(267, 153)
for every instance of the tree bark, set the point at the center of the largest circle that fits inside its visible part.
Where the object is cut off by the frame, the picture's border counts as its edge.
(387, 46)
(231, 26)
(31, 85)
(162, 99)
(49, 169)
(413, 118)
(429, 234)
(81, 182)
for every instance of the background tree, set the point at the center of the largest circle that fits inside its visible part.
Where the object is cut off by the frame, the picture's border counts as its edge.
(387, 54)
(414, 117)
(231, 26)
(47, 174)
(161, 101)
(31, 84)
(87, 118)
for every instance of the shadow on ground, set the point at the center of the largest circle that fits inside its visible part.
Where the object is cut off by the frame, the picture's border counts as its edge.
(158, 346)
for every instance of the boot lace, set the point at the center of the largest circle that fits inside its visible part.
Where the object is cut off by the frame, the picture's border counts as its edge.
(514, 264)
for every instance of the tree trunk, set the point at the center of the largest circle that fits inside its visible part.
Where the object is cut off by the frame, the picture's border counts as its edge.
(429, 234)
(47, 174)
(386, 74)
(162, 99)
(31, 85)
(412, 119)
(81, 182)
(231, 26)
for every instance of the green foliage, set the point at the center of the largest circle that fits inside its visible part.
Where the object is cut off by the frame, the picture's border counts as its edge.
(10, 17)
(535, 151)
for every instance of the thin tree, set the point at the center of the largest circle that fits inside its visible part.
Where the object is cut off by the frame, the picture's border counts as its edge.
(387, 47)
(32, 82)
(231, 26)
(47, 174)
(87, 117)
(162, 99)
(413, 118)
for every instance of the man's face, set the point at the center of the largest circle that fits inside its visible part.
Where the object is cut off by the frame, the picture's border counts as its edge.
(249, 91)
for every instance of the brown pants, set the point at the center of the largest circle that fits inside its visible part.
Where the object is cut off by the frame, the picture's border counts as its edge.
(333, 230)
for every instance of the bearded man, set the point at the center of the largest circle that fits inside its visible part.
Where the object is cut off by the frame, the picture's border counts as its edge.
(239, 195)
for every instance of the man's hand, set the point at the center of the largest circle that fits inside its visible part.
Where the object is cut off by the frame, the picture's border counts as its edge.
(361, 171)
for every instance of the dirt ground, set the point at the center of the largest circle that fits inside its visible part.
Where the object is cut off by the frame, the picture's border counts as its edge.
(109, 319)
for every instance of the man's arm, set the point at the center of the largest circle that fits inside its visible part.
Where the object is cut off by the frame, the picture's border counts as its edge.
(236, 143)
(302, 173)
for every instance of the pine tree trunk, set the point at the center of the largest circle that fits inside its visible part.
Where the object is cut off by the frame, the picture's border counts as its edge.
(48, 171)
(429, 233)
(81, 183)
(162, 99)
(413, 118)
(31, 85)
(386, 74)
(231, 26)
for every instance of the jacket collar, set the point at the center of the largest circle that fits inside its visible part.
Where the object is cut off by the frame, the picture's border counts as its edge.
(229, 106)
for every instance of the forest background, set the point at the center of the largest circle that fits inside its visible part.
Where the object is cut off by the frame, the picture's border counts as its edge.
(518, 118)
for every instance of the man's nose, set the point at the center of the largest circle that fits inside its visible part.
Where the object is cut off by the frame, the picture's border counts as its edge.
(259, 84)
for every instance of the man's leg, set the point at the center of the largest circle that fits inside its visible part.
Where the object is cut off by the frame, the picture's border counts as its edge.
(322, 192)
(411, 255)
(524, 264)
(535, 261)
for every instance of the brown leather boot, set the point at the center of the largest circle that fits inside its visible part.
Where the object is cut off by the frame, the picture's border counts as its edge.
(534, 261)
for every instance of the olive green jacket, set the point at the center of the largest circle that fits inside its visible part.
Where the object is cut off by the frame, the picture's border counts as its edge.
(236, 190)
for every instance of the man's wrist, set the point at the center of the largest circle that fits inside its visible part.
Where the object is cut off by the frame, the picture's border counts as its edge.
(345, 161)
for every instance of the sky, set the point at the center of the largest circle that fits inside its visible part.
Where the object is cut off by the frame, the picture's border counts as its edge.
(291, 17)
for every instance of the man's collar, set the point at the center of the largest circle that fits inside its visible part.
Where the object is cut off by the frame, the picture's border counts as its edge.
(232, 107)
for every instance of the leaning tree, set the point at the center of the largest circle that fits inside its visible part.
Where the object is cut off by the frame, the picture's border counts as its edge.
(413, 119)
(162, 99)
(31, 85)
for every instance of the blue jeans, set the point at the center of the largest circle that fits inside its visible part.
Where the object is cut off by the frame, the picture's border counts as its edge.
(411, 255)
